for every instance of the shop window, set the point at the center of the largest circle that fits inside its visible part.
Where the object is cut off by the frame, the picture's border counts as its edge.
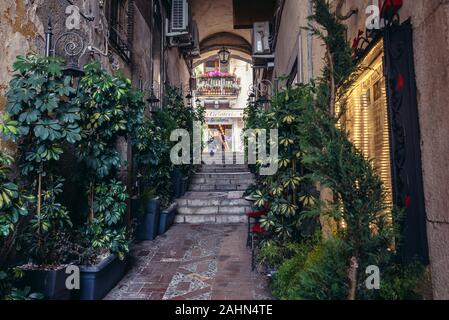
(366, 117)
(119, 13)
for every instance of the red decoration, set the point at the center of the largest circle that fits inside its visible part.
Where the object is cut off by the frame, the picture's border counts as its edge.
(356, 42)
(390, 7)
(400, 82)
(256, 214)
(257, 228)
(408, 201)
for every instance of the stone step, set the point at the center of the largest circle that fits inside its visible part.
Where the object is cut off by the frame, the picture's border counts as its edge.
(219, 187)
(211, 210)
(223, 170)
(212, 202)
(225, 175)
(238, 194)
(219, 180)
(212, 219)
(225, 165)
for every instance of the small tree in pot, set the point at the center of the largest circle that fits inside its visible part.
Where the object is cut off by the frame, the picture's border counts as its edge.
(42, 118)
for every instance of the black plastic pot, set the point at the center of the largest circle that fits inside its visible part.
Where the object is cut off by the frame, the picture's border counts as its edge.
(184, 185)
(176, 180)
(167, 218)
(136, 208)
(149, 224)
(51, 283)
(97, 280)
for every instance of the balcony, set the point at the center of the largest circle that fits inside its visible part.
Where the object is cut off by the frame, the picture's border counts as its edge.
(218, 84)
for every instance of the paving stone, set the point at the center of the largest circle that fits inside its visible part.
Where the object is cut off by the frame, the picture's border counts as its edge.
(211, 262)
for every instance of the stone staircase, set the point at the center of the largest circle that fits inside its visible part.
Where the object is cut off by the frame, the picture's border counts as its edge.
(216, 195)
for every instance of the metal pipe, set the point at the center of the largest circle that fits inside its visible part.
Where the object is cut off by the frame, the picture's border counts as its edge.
(48, 39)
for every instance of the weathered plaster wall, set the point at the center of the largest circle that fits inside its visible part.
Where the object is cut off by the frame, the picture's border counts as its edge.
(430, 21)
(294, 19)
(216, 16)
(20, 32)
(176, 68)
(142, 66)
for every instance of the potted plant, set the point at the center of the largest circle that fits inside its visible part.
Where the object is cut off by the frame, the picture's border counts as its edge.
(13, 205)
(110, 110)
(148, 226)
(167, 218)
(48, 246)
(176, 181)
(184, 185)
(42, 117)
(103, 243)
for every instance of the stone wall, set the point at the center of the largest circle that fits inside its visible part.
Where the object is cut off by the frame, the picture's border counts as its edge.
(20, 32)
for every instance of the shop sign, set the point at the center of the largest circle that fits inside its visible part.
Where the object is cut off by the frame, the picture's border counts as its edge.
(224, 113)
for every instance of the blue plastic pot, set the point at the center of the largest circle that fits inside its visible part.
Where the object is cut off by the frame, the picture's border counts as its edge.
(167, 218)
(176, 181)
(51, 283)
(97, 280)
(149, 224)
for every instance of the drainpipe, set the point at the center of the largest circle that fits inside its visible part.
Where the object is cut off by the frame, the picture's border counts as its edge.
(309, 45)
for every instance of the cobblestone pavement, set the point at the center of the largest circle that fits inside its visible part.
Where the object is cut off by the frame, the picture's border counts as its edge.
(193, 262)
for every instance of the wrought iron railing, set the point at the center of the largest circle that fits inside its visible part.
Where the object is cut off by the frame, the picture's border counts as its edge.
(211, 85)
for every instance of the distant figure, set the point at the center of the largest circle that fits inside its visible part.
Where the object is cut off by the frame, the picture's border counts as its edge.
(212, 144)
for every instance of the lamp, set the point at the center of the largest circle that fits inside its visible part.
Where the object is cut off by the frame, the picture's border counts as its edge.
(152, 100)
(252, 97)
(224, 55)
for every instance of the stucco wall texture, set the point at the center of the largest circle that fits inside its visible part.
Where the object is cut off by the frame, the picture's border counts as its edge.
(19, 31)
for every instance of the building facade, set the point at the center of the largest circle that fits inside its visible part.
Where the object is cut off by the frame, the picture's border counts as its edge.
(397, 113)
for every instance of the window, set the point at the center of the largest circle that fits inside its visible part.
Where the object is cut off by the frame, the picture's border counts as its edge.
(119, 13)
(366, 117)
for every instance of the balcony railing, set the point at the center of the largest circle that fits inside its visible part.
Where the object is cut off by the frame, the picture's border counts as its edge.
(218, 84)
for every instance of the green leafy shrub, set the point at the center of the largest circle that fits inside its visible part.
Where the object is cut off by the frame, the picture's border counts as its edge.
(288, 193)
(13, 208)
(318, 273)
(13, 202)
(41, 115)
(274, 253)
(105, 232)
(402, 282)
(46, 238)
(103, 100)
(43, 118)
(153, 145)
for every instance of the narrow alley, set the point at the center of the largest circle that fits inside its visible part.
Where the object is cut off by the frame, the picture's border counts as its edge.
(224, 150)
(193, 262)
